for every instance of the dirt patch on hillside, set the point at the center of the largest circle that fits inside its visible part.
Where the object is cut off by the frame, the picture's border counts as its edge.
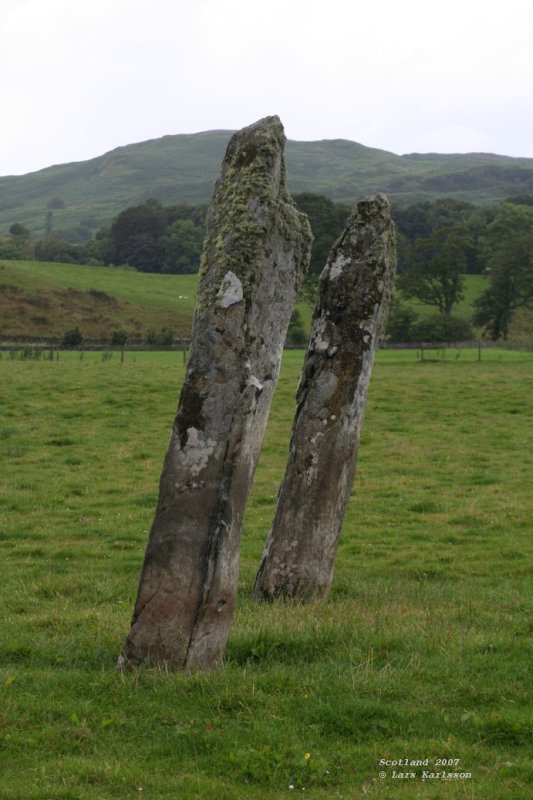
(97, 314)
(53, 312)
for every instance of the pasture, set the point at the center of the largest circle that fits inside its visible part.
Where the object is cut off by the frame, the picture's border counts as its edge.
(46, 299)
(423, 651)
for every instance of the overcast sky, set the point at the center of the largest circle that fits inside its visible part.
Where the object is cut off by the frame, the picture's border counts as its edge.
(80, 78)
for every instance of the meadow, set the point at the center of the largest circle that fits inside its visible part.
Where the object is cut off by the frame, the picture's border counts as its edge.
(47, 299)
(423, 650)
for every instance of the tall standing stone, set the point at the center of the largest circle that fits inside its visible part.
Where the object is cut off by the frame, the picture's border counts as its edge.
(255, 253)
(349, 318)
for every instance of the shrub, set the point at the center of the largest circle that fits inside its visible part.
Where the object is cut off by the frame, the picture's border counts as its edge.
(443, 328)
(16, 249)
(296, 333)
(164, 336)
(52, 249)
(119, 338)
(72, 338)
(401, 323)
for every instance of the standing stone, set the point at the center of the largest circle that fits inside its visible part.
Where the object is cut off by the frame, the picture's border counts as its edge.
(255, 254)
(349, 318)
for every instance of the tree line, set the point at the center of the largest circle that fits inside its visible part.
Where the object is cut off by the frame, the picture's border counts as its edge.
(438, 243)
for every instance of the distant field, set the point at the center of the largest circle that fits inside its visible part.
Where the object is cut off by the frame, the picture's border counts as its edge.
(474, 286)
(44, 299)
(422, 651)
(39, 298)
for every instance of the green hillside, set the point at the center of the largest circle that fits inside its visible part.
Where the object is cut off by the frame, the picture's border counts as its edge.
(44, 299)
(83, 196)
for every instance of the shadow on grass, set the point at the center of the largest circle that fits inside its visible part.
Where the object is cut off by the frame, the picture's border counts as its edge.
(281, 647)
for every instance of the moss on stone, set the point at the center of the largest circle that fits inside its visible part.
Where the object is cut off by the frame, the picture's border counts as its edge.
(250, 198)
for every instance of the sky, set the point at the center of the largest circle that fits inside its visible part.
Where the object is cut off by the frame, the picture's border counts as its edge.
(81, 78)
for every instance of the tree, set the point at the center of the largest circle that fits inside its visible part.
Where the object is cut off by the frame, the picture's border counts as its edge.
(53, 249)
(119, 338)
(56, 202)
(508, 249)
(155, 238)
(327, 220)
(195, 213)
(165, 336)
(181, 247)
(521, 199)
(101, 248)
(136, 234)
(49, 222)
(434, 272)
(296, 334)
(19, 232)
(421, 220)
(18, 246)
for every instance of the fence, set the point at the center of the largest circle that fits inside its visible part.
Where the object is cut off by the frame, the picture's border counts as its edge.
(47, 343)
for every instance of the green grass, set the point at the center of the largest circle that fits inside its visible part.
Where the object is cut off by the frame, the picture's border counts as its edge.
(422, 651)
(46, 299)
(40, 298)
(474, 285)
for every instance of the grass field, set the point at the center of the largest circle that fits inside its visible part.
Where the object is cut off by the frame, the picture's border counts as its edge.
(46, 299)
(40, 298)
(423, 650)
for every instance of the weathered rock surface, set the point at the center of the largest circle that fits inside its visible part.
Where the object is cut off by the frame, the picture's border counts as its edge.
(255, 253)
(349, 318)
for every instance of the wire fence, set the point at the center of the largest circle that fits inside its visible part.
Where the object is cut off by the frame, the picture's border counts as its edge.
(31, 347)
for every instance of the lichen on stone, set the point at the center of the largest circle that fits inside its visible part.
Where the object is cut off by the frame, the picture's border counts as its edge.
(250, 198)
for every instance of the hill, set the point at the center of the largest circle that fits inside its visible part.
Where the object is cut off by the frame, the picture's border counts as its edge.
(45, 299)
(83, 196)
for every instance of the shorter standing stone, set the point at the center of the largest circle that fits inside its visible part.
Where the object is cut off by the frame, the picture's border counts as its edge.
(349, 318)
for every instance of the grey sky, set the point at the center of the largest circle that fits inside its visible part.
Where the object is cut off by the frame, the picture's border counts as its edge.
(82, 78)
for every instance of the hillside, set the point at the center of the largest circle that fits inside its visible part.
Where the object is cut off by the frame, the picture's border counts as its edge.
(83, 196)
(44, 299)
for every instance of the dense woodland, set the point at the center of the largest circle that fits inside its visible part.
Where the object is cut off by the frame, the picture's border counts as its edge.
(438, 243)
